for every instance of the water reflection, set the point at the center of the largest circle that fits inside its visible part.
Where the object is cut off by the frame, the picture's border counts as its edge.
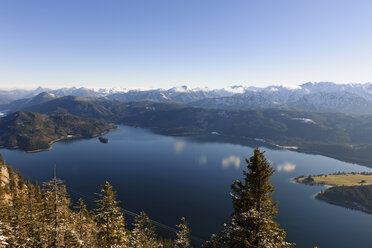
(231, 160)
(286, 167)
(179, 145)
(202, 160)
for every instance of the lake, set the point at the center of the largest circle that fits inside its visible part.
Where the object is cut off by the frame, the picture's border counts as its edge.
(171, 177)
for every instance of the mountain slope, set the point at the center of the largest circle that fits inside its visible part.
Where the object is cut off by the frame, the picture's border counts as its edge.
(28, 102)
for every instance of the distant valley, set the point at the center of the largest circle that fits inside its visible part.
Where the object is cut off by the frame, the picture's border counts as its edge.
(341, 135)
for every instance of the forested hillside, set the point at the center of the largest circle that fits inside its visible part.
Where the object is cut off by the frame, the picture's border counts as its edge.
(33, 131)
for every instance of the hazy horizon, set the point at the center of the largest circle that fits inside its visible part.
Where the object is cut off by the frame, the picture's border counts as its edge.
(292, 86)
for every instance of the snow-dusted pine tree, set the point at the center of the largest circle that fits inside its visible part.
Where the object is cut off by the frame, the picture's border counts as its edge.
(56, 214)
(183, 239)
(84, 224)
(5, 229)
(110, 220)
(252, 224)
(143, 234)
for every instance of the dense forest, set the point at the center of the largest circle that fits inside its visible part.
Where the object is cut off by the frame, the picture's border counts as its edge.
(33, 215)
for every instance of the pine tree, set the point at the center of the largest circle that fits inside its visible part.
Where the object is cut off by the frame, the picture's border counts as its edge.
(183, 239)
(20, 181)
(17, 210)
(12, 189)
(110, 220)
(143, 235)
(84, 224)
(252, 224)
(29, 213)
(5, 229)
(56, 213)
(39, 206)
(167, 243)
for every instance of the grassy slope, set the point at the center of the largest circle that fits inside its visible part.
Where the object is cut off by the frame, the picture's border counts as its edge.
(340, 180)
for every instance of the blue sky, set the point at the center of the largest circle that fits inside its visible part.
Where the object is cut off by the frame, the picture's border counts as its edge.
(159, 43)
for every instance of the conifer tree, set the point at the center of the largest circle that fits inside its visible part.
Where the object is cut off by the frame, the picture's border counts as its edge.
(39, 235)
(17, 210)
(167, 243)
(12, 189)
(56, 213)
(183, 239)
(30, 214)
(84, 224)
(110, 220)
(5, 229)
(143, 235)
(20, 181)
(252, 224)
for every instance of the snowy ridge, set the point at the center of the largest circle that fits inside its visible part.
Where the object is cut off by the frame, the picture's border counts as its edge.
(323, 96)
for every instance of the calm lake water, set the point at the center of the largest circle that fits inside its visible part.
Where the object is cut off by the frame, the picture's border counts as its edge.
(171, 177)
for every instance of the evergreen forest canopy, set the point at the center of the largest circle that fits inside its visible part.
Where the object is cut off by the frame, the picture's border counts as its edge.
(33, 215)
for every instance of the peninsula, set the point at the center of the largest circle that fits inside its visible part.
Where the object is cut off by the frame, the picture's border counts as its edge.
(350, 190)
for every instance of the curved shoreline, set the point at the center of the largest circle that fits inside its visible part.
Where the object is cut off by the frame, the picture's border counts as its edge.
(342, 202)
(50, 143)
(349, 205)
(67, 138)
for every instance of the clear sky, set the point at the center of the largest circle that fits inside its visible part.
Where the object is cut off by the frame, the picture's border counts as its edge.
(162, 43)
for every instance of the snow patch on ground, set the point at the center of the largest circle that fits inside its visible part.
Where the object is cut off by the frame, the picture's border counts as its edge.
(304, 120)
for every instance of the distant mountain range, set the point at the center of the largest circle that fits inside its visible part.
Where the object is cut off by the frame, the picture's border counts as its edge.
(324, 96)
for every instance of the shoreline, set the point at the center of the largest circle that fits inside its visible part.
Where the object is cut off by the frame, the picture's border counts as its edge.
(342, 202)
(295, 180)
(349, 205)
(59, 139)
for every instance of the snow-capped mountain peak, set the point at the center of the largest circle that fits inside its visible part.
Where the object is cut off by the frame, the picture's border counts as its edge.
(322, 96)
